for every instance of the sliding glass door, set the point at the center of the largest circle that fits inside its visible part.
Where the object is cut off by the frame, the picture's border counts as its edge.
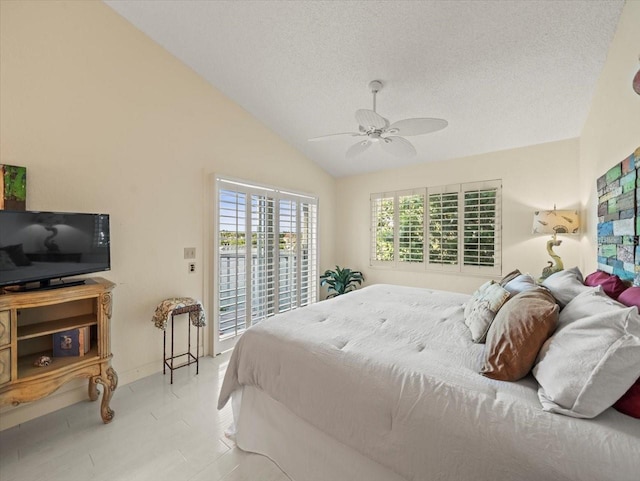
(265, 258)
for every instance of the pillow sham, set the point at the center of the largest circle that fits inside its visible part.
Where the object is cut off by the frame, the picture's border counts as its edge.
(612, 285)
(630, 297)
(592, 359)
(483, 310)
(509, 277)
(565, 285)
(629, 403)
(517, 333)
(475, 297)
(521, 283)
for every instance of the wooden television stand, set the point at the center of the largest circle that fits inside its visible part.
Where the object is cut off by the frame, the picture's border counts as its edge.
(28, 321)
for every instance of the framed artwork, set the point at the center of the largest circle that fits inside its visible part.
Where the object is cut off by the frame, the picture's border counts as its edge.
(13, 187)
(618, 221)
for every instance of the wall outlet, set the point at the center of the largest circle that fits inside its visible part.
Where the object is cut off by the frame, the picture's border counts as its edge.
(189, 252)
(192, 267)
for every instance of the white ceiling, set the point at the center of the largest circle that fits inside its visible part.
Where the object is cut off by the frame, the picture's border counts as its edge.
(504, 74)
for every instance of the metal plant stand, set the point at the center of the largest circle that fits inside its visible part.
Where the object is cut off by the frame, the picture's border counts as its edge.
(191, 359)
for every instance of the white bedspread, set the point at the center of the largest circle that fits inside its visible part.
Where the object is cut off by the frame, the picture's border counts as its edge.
(391, 371)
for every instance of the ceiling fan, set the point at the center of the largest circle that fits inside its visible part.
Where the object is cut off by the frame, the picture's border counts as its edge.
(390, 137)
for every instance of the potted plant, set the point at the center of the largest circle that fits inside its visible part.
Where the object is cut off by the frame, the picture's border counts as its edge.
(340, 281)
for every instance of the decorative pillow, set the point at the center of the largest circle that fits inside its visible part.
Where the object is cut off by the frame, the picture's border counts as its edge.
(629, 403)
(592, 359)
(590, 301)
(16, 254)
(483, 310)
(509, 277)
(612, 285)
(565, 285)
(477, 295)
(630, 297)
(521, 283)
(518, 332)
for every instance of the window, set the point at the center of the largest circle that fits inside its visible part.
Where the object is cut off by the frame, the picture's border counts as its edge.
(398, 227)
(411, 227)
(443, 226)
(266, 254)
(382, 239)
(481, 240)
(453, 228)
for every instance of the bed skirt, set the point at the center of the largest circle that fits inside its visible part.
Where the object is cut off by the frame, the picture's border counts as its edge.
(302, 451)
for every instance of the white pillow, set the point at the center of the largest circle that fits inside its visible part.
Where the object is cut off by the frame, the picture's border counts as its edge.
(521, 283)
(483, 309)
(565, 285)
(592, 359)
(475, 297)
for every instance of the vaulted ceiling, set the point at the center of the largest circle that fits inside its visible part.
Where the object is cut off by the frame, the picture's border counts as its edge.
(504, 74)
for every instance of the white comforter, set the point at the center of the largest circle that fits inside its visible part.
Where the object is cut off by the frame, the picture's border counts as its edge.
(392, 372)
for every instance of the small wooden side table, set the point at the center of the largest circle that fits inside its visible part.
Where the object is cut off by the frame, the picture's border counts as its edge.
(191, 359)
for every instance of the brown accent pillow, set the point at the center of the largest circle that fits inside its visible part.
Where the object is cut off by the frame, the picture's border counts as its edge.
(517, 333)
(509, 277)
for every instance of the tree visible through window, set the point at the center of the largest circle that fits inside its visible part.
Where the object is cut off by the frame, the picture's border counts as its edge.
(411, 228)
(450, 227)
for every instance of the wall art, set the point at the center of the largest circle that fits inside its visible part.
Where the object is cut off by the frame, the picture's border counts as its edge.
(618, 221)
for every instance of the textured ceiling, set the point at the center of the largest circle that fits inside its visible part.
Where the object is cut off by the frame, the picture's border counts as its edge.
(504, 74)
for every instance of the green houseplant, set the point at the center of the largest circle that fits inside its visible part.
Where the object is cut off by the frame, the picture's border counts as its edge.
(340, 281)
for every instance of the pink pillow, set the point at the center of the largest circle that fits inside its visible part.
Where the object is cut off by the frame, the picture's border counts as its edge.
(611, 285)
(629, 403)
(596, 278)
(630, 297)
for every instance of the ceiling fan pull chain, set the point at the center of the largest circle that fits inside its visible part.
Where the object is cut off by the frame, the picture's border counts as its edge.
(375, 92)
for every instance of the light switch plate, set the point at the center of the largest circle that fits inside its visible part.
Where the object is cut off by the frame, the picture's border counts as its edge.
(189, 252)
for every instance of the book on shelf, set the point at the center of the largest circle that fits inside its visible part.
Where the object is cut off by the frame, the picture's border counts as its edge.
(74, 342)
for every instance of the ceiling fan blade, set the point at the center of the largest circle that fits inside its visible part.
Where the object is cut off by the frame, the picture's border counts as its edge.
(357, 149)
(370, 119)
(398, 146)
(323, 137)
(417, 126)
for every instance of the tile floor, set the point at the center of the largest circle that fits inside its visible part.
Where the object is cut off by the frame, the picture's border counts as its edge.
(160, 432)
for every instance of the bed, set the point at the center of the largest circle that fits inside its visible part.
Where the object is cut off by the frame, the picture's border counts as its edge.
(383, 384)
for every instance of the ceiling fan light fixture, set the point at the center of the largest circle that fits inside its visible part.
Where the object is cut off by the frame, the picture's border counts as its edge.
(390, 137)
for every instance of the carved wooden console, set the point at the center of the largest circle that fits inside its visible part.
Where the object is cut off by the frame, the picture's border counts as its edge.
(28, 321)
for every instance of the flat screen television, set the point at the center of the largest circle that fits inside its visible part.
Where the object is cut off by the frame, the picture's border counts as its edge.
(45, 247)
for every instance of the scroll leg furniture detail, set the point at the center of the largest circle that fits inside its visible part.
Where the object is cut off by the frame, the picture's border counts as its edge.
(109, 383)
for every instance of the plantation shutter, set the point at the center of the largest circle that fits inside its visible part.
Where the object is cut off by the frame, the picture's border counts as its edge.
(410, 232)
(452, 228)
(232, 207)
(308, 252)
(443, 226)
(264, 254)
(382, 229)
(288, 265)
(481, 243)
(267, 254)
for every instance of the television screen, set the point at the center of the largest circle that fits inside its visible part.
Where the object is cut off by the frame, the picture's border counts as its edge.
(41, 246)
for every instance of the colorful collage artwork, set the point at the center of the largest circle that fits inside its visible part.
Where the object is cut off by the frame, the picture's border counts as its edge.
(618, 220)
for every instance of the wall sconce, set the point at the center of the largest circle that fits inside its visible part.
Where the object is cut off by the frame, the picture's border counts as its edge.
(555, 222)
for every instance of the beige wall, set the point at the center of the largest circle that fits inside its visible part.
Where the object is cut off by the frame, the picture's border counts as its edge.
(533, 178)
(105, 120)
(612, 129)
